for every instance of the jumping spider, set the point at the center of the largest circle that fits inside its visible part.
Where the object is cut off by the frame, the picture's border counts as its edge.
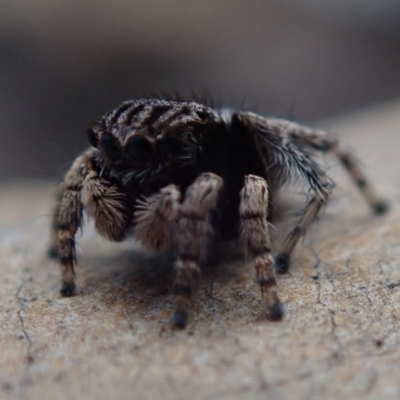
(181, 173)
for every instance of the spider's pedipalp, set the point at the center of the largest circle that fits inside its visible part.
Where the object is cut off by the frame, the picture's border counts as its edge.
(193, 233)
(155, 218)
(254, 233)
(107, 206)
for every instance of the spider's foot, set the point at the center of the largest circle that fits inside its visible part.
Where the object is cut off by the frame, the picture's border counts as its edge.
(180, 319)
(52, 252)
(183, 292)
(68, 289)
(282, 263)
(380, 208)
(276, 312)
(274, 306)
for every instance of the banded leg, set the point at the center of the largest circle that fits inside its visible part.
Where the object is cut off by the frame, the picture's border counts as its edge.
(286, 149)
(82, 187)
(67, 220)
(322, 141)
(346, 157)
(193, 232)
(155, 218)
(254, 233)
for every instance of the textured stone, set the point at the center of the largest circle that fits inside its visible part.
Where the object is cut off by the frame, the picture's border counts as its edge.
(339, 338)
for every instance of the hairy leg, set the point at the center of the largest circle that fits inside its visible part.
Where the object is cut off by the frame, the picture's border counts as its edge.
(156, 217)
(284, 159)
(286, 149)
(308, 215)
(67, 220)
(81, 188)
(52, 250)
(322, 141)
(192, 235)
(254, 233)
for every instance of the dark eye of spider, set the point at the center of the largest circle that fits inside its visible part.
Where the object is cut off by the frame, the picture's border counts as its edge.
(140, 149)
(92, 137)
(110, 145)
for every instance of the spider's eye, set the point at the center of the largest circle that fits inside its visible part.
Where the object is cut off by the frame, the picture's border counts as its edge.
(110, 146)
(140, 149)
(92, 137)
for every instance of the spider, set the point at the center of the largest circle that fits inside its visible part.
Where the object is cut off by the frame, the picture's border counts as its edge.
(184, 175)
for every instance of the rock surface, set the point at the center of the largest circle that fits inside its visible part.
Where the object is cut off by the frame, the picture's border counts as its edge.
(339, 338)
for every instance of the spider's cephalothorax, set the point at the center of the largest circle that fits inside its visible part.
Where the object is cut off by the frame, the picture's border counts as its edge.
(182, 175)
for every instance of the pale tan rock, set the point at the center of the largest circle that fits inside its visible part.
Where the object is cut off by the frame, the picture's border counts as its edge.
(339, 339)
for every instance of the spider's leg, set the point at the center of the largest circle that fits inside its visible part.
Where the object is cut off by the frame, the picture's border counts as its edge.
(283, 159)
(321, 187)
(286, 148)
(193, 232)
(52, 250)
(322, 141)
(254, 233)
(67, 219)
(81, 188)
(308, 215)
(155, 218)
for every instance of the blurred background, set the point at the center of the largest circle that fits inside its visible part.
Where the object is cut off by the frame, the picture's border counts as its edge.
(63, 63)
